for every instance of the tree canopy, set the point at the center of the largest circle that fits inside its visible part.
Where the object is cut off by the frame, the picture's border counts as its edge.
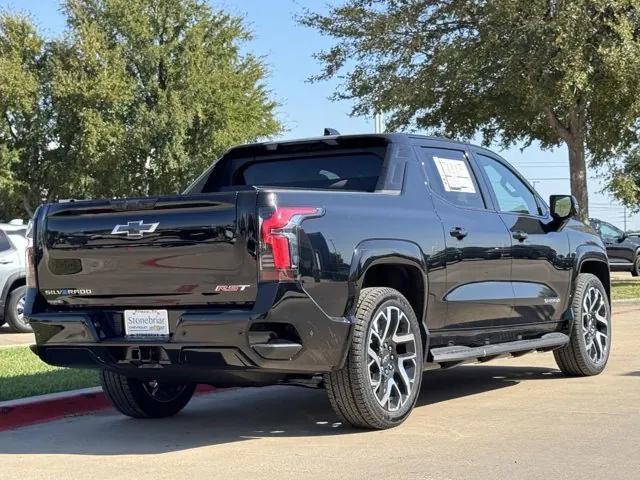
(624, 179)
(559, 72)
(136, 98)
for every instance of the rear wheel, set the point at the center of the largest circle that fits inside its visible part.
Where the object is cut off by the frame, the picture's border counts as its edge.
(635, 270)
(15, 311)
(380, 382)
(145, 399)
(588, 350)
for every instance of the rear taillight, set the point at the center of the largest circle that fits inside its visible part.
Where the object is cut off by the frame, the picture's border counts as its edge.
(29, 258)
(279, 240)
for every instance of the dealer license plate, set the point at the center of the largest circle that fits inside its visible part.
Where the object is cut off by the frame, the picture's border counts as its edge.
(146, 323)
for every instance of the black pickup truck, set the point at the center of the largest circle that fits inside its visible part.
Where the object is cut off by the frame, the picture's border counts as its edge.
(349, 262)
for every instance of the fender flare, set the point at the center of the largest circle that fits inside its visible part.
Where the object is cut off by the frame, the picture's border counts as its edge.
(369, 253)
(6, 290)
(13, 278)
(586, 253)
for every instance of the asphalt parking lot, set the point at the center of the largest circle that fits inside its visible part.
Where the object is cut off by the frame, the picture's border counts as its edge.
(513, 418)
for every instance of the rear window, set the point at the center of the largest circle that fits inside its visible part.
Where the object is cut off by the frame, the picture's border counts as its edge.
(353, 171)
(4, 242)
(342, 172)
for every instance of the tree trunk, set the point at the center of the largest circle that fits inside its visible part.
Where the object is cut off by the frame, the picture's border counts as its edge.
(26, 205)
(578, 174)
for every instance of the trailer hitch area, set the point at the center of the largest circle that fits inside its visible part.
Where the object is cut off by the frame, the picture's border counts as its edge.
(147, 357)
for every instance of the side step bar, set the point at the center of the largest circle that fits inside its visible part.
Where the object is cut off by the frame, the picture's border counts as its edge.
(454, 355)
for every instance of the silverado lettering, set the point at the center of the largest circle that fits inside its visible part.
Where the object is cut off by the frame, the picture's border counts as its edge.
(68, 291)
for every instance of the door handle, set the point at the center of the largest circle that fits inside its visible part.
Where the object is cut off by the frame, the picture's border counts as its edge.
(520, 235)
(5, 262)
(458, 232)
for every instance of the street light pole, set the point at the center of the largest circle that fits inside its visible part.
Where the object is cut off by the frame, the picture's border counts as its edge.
(378, 123)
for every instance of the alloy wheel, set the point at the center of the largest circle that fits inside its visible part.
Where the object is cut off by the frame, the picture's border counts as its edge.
(391, 355)
(595, 325)
(163, 392)
(20, 310)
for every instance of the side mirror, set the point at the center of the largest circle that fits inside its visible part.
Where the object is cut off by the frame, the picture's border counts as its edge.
(622, 238)
(563, 207)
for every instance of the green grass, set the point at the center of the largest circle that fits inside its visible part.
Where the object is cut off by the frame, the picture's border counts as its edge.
(625, 289)
(23, 374)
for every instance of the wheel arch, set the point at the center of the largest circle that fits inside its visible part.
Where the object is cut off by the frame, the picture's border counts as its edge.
(598, 266)
(398, 264)
(15, 280)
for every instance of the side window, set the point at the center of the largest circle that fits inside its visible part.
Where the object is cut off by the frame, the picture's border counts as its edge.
(609, 231)
(4, 242)
(511, 194)
(450, 176)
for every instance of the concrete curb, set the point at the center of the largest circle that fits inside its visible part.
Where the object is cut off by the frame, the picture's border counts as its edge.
(627, 301)
(44, 408)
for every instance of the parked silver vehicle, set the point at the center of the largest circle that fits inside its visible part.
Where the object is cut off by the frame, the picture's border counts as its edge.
(13, 244)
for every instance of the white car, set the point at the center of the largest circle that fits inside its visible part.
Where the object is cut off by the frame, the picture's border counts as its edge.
(12, 275)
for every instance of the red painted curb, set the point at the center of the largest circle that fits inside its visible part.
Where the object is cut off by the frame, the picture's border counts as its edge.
(44, 410)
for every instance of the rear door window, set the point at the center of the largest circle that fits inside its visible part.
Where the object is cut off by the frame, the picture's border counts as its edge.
(450, 176)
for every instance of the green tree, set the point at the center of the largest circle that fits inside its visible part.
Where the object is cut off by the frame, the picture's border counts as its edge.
(559, 72)
(624, 179)
(24, 116)
(136, 98)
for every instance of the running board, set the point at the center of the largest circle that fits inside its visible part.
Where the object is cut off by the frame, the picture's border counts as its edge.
(456, 354)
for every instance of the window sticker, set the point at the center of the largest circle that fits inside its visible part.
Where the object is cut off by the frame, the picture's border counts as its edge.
(455, 175)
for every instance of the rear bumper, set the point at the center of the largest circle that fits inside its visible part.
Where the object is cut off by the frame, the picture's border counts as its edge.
(206, 345)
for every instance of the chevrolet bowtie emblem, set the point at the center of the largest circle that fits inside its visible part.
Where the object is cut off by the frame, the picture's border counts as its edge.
(135, 229)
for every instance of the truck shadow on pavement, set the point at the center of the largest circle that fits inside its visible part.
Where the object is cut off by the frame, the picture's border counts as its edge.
(240, 415)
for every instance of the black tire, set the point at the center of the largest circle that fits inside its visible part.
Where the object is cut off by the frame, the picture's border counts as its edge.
(350, 390)
(635, 270)
(132, 397)
(576, 359)
(15, 318)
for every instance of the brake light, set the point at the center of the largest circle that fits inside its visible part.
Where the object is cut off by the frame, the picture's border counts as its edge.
(279, 241)
(30, 268)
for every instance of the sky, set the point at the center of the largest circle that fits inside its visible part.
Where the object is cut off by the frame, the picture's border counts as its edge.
(305, 108)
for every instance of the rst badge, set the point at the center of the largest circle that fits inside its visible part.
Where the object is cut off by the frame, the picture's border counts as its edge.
(231, 288)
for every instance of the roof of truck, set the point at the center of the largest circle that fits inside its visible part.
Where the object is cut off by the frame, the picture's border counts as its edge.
(392, 137)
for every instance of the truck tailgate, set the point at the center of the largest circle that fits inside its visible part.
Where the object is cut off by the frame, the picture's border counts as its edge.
(180, 250)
